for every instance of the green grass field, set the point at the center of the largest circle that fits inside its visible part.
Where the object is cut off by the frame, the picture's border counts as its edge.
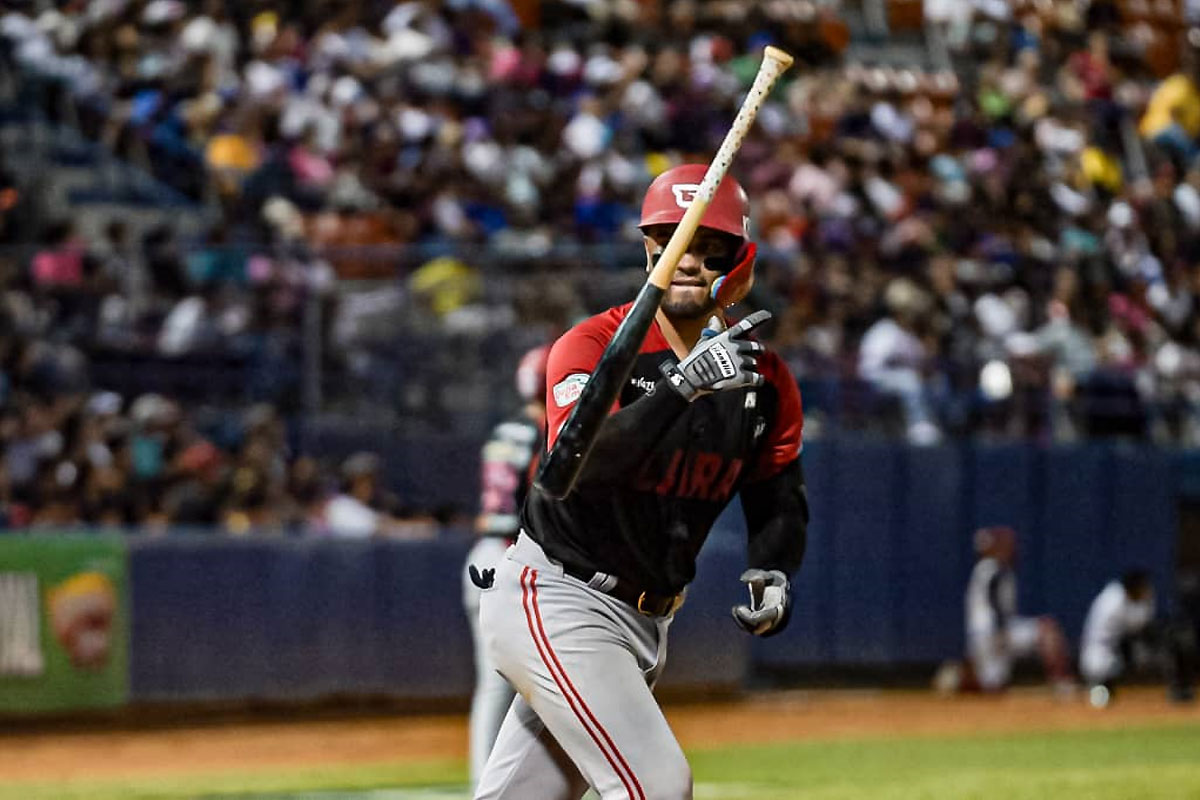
(1127, 764)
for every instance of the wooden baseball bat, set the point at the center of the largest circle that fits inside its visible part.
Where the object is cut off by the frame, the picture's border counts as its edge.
(562, 465)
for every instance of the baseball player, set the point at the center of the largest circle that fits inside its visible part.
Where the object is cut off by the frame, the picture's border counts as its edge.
(508, 460)
(996, 636)
(577, 615)
(1120, 613)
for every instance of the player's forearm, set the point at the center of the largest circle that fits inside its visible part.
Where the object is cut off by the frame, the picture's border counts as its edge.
(776, 511)
(628, 437)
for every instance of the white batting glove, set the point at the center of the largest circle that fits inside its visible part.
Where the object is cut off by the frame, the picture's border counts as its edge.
(770, 605)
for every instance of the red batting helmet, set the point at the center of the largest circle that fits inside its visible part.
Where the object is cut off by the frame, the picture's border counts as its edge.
(671, 193)
(668, 199)
(996, 541)
(531, 374)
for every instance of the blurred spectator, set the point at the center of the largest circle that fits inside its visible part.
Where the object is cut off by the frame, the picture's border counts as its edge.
(361, 510)
(350, 513)
(59, 265)
(1172, 116)
(893, 358)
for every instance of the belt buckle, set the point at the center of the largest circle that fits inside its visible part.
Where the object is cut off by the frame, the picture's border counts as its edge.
(668, 605)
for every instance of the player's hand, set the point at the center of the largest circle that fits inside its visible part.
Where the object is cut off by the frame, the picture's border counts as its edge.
(724, 360)
(770, 605)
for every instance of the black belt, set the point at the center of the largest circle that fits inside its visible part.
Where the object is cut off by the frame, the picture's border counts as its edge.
(648, 603)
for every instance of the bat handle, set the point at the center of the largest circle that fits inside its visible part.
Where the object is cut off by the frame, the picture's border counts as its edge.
(562, 465)
(556, 477)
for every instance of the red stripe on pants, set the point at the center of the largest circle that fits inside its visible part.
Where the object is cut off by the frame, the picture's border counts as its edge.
(542, 642)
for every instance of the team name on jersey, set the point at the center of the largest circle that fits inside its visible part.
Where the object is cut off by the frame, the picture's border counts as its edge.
(695, 474)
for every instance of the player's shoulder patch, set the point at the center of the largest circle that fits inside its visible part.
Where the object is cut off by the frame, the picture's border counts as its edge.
(568, 390)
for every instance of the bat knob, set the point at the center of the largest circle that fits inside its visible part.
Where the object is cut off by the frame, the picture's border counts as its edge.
(775, 54)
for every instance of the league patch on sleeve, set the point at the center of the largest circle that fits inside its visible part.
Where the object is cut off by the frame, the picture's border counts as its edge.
(567, 390)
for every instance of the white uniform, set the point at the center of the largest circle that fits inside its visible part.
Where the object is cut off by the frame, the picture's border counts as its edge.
(505, 466)
(492, 694)
(996, 636)
(1114, 616)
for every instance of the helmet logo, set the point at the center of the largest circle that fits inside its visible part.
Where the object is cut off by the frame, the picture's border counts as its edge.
(684, 193)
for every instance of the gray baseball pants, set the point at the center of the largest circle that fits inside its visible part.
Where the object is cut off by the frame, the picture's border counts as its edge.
(583, 664)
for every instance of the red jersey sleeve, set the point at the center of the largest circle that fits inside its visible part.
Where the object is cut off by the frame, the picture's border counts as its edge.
(572, 359)
(785, 437)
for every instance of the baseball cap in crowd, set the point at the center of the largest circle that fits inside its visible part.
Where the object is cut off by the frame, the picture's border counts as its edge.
(360, 464)
(103, 404)
(158, 12)
(153, 409)
(201, 457)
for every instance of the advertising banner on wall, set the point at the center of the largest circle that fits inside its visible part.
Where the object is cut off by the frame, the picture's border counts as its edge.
(64, 624)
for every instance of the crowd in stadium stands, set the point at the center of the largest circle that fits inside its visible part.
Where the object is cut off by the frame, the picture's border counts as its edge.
(71, 458)
(1008, 247)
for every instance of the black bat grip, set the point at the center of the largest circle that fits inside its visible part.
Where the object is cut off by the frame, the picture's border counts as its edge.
(561, 467)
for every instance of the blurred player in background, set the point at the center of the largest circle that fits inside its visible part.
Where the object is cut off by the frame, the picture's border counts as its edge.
(996, 636)
(1119, 616)
(509, 458)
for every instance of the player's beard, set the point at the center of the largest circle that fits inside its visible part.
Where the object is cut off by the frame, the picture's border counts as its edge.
(690, 304)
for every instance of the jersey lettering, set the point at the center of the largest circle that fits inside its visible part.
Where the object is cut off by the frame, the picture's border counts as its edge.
(729, 480)
(703, 476)
(668, 479)
(705, 467)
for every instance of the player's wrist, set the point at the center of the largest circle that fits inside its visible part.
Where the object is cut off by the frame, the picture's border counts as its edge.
(677, 379)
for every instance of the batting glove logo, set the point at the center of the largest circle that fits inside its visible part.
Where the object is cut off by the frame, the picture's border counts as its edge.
(723, 360)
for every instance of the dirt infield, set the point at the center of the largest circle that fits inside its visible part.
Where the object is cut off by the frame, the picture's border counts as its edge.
(769, 717)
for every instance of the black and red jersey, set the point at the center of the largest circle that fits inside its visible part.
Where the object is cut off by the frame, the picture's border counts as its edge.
(662, 470)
